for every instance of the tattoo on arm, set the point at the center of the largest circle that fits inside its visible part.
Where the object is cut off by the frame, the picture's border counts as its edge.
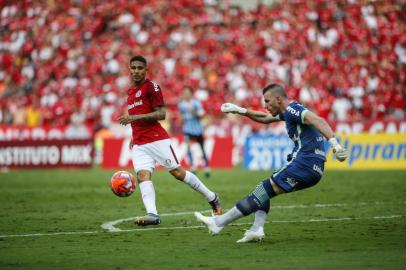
(261, 117)
(158, 114)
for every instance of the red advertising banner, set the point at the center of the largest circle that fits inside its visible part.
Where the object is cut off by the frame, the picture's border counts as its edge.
(370, 126)
(116, 153)
(46, 153)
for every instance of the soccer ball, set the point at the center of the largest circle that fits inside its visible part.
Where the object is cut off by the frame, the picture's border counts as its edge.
(122, 183)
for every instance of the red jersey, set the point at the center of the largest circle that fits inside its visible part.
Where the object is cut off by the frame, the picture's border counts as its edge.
(141, 100)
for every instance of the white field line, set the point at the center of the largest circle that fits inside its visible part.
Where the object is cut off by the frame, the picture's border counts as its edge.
(200, 226)
(110, 226)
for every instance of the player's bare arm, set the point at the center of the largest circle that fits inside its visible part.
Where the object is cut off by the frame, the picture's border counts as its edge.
(257, 116)
(261, 117)
(319, 123)
(158, 114)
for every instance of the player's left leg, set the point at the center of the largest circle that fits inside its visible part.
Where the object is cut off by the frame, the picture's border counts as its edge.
(143, 165)
(195, 183)
(165, 156)
(189, 152)
(258, 200)
(293, 177)
(200, 140)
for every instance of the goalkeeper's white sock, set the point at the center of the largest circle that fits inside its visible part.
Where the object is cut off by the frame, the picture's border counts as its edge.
(228, 217)
(148, 196)
(194, 182)
(260, 217)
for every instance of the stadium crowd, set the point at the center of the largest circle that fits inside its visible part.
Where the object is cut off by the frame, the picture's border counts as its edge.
(63, 61)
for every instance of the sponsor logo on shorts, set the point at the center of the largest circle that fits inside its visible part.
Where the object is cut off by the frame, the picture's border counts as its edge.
(292, 182)
(168, 162)
(317, 169)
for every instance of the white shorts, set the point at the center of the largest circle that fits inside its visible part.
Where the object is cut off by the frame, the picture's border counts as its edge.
(146, 156)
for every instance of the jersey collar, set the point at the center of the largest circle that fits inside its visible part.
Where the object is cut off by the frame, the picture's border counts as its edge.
(132, 90)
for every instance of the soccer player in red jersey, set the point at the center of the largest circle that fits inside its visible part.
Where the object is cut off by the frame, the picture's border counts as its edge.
(151, 144)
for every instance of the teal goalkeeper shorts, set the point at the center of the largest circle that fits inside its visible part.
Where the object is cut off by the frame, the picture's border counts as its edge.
(299, 175)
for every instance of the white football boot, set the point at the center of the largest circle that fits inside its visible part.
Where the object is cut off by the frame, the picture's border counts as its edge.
(253, 236)
(210, 223)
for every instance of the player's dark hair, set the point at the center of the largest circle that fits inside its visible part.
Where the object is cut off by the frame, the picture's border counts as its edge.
(139, 58)
(275, 88)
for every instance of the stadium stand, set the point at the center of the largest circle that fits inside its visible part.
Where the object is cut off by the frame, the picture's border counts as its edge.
(68, 59)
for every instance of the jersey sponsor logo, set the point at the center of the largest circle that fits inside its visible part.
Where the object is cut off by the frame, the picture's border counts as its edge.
(317, 169)
(138, 94)
(156, 87)
(292, 111)
(135, 104)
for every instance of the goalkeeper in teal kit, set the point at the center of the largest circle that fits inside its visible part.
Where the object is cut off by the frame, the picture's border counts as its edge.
(305, 164)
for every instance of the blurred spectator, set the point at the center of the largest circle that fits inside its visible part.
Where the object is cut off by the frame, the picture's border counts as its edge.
(341, 107)
(107, 110)
(77, 129)
(34, 114)
(19, 112)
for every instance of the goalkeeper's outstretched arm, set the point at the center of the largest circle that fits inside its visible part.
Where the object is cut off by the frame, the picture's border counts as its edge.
(261, 117)
(256, 116)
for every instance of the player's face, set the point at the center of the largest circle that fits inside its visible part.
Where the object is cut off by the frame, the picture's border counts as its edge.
(138, 71)
(272, 103)
(187, 94)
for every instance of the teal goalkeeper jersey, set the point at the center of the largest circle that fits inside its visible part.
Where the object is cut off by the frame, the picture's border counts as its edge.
(309, 142)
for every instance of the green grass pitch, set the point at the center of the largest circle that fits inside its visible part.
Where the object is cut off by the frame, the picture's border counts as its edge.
(51, 219)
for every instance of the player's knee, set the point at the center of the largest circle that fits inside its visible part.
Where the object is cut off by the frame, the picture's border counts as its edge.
(276, 189)
(265, 206)
(248, 205)
(178, 173)
(258, 200)
(271, 188)
(252, 204)
(143, 175)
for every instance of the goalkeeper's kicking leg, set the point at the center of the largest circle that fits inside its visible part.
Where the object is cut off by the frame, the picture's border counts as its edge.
(258, 201)
(294, 176)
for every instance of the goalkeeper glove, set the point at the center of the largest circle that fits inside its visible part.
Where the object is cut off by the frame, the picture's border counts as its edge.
(232, 108)
(339, 152)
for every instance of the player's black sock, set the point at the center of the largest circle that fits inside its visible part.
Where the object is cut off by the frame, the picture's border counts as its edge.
(258, 199)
